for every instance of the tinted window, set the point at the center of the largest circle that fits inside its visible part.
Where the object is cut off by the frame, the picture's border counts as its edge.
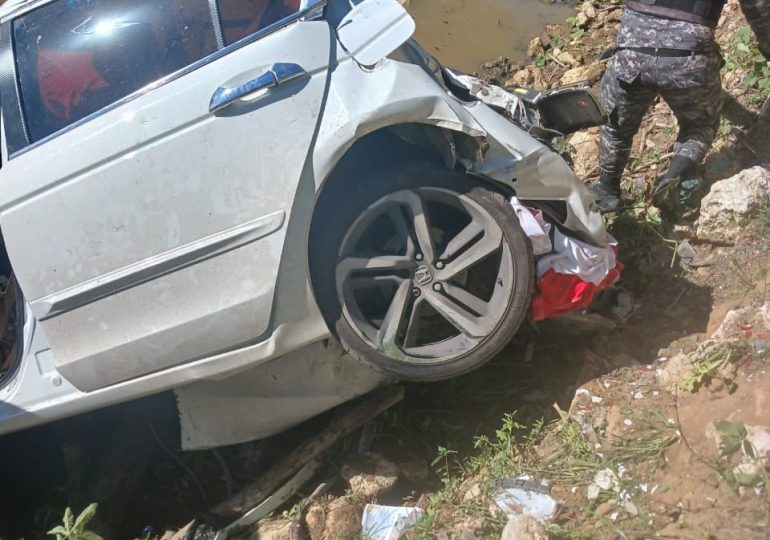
(75, 57)
(241, 18)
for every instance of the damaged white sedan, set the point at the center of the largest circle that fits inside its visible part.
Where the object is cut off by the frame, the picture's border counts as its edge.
(210, 196)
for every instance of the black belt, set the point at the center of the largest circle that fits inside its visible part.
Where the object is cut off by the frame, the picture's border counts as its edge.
(662, 52)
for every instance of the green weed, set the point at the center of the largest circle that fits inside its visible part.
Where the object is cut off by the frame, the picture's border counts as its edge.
(75, 528)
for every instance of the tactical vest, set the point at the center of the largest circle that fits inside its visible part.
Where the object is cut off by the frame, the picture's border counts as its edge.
(705, 12)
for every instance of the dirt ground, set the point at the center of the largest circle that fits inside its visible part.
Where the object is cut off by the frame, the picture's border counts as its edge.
(650, 400)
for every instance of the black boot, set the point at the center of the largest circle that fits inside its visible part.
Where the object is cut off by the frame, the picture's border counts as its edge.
(666, 194)
(607, 192)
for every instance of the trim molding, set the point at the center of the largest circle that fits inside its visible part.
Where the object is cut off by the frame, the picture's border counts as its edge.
(157, 266)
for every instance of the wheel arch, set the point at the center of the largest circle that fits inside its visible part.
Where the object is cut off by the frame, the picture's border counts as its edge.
(386, 147)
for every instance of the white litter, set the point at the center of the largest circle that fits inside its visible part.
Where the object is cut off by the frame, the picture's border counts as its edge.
(607, 480)
(638, 395)
(596, 399)
(534, 226)
(628, 422)
(533, 500)
(614, 516)
(644, 487)
(592, 493)
(388, 522)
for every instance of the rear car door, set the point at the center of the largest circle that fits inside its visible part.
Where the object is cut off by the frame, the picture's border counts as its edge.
(154, 150)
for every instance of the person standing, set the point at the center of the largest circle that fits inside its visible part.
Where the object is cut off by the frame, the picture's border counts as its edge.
(665, 48)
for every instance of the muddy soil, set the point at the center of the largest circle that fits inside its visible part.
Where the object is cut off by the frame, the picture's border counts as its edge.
(465, 33)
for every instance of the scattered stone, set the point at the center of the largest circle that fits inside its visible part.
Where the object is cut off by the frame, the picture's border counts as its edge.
(586, 145)
(673, 371)
(567, 58)
(343, 519)
(315, 518)
(588, 10)
(370, 475)
(730, 202)
(524, 528)
(589, 74)
(529, 77)
(473, 493)
(581, 20)
(536, 48)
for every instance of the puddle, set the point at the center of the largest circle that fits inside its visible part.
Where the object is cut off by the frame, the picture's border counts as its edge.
(465, 33)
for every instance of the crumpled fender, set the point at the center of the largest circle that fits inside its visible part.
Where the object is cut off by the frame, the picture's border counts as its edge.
(361, 101)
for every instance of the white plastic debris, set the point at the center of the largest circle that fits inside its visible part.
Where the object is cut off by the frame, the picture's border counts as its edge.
(644, 488)
(627, 422)
(532, 499)
(607, 480)
(638, 395)
(592, 493)
(388, 522)
(614, 516)
(596, 399)
(534, 226)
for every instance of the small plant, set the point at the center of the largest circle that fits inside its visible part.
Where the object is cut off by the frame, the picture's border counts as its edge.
(743, 53)
(708, 364)
(75, 529)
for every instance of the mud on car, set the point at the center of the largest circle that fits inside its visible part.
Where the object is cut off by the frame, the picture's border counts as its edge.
(268, 206)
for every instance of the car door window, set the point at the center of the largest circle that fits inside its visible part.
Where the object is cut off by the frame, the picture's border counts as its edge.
(241, 18)
(78, 56)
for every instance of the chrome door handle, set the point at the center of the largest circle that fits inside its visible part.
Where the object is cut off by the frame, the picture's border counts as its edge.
(278, 74)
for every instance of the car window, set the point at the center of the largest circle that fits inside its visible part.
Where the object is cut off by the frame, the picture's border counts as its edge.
(75, 57)
(241, 18)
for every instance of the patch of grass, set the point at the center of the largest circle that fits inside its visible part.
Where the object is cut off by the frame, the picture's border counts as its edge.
(654, 434)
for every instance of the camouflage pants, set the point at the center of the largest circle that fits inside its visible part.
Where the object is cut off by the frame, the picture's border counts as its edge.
(690, 85)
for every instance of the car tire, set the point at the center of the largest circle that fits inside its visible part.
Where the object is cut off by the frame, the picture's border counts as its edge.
(448, 251)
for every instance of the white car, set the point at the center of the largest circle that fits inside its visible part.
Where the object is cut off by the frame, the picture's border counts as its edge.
(210, 196)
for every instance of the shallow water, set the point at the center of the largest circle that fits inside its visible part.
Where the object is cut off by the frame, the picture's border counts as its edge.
(465, 33)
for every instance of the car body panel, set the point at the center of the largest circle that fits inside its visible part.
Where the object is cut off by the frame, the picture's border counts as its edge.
(189, 321)
(168, 199)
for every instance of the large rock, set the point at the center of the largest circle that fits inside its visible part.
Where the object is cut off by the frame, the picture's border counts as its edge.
(370, 475)
(586, 155)
(524, 528)
(591, 74)
(730, 202)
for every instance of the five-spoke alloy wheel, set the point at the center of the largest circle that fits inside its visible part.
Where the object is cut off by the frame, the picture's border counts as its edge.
(432, 274)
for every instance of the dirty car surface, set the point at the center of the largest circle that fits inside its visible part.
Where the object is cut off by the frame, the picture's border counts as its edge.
(198, 195)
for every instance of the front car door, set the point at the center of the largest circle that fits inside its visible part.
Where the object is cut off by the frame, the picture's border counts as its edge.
(153, 153)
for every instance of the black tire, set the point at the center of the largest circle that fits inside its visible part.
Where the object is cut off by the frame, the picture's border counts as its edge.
(345, 214)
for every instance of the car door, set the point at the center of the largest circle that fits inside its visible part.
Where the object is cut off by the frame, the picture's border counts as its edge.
(153, 157)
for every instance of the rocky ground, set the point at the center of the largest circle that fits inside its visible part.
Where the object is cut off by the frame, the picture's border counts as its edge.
(658, 428)
(651, 421)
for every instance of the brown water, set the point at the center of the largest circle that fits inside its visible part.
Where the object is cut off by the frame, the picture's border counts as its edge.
(465, 33)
